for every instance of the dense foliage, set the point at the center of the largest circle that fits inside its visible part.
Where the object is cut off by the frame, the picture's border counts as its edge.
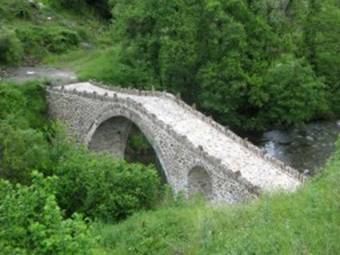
(32, 30)
(95, 185)
(23, 117)
(11, 49)
(101, 187)
(31, 221)
(227, 55)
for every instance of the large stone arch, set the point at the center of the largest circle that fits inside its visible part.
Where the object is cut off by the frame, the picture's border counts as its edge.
(110, 129)
(111, 137)
(200, 182)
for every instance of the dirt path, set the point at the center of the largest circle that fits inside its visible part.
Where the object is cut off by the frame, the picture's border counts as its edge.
(23, 74)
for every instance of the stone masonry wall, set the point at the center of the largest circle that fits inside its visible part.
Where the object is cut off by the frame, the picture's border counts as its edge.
(84, 113)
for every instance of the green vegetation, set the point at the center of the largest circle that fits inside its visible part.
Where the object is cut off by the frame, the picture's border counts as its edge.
(11, 50)
(251, 64)
(226, 55)
(76, 180)
(45, 207)
(32, 30)
(32, 223)
(102, 188)
(306, 222)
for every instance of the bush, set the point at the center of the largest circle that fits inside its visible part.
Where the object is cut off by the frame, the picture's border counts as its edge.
(21, 151)
(59, 39)
(32, 223)
(101, 187)
(11, 9)
(24, 106)
(11, 50)
(53, 39)
(21, 9)
(23, 146)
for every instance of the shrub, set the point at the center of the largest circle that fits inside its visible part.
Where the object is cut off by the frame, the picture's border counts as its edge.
(23, 146)
(58, 39)
(23, 104)
(101, 187)
(54, 39)
(11, 9)
(32, 223)
(21, 151)
(11, 50)
(21, 9)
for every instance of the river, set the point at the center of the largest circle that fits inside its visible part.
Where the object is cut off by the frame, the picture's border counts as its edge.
(308, 147)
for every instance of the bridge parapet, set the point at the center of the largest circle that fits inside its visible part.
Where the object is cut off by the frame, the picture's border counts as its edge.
(209, 120)
(222, 171)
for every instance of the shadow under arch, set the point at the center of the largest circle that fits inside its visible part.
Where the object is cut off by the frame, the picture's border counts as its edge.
(115, 132)
(199, 182)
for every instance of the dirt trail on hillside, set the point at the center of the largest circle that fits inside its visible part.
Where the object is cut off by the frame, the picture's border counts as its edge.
(23, 74)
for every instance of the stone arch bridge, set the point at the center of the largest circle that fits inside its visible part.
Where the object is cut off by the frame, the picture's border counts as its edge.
(196, 153)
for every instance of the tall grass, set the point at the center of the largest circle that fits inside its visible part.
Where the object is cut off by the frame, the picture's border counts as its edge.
(306, 222)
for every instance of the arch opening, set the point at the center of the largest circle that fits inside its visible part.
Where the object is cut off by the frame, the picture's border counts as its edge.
(199, 182)
(123, 139)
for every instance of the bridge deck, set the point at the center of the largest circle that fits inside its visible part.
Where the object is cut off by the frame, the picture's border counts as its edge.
(252, 167)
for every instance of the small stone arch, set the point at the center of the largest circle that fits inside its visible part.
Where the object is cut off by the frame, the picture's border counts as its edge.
(199, 182)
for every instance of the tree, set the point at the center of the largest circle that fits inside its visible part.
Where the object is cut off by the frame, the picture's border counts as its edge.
(323, 38)
(291, 93)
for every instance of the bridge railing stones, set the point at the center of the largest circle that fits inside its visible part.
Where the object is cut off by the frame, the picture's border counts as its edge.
(243, 142)
(130, 103)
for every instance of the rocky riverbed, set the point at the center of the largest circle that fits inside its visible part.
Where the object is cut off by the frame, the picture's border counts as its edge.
(307, 147)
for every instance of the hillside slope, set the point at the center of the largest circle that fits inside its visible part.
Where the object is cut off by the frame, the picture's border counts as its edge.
(307, 222)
